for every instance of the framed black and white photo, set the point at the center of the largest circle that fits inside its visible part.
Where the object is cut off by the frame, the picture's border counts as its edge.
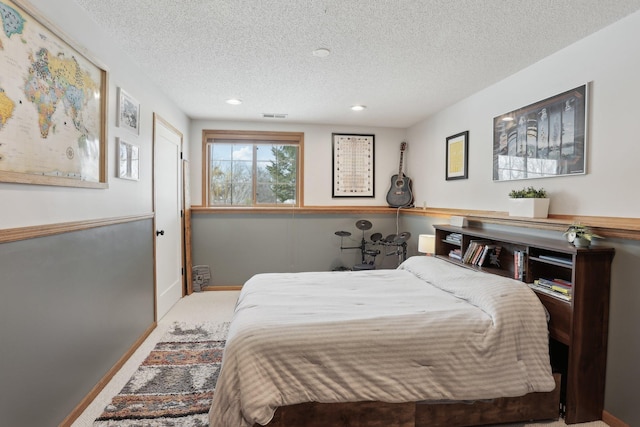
(353, 165)
(457, 162)
(544, 139)
(128, 160)
(128, 116)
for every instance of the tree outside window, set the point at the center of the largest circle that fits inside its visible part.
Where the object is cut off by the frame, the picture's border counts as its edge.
(252, 173)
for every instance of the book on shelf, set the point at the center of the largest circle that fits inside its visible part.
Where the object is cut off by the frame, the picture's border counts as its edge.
(490, 255)
(552, 282)
(473, 250)
(536, 286)
(455, 254)
(555, 286)
(519, 264)
(561, 289)
(559, 259)
(563, 282)
(455, 238)
(481, 253)
(494, 256)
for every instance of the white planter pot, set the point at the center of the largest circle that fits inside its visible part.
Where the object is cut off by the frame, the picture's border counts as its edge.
(529, 208)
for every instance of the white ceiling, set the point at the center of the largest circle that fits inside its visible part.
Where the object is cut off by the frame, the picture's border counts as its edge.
(403, 59)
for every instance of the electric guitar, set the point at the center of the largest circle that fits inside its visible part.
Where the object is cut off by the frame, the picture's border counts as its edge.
(399, 194)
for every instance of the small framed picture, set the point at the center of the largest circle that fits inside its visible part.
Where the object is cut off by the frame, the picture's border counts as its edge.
(128, 115)
(128, 161)
(457, 166)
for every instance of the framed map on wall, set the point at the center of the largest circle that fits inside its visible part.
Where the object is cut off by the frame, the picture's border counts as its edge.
(52, 105)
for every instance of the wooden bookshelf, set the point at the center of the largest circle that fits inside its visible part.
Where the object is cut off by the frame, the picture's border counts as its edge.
(578, 328)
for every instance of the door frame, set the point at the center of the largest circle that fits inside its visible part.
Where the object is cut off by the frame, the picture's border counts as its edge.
(157, 118)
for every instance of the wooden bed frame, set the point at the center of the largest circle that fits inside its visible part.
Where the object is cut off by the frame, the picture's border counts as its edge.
(533, 406)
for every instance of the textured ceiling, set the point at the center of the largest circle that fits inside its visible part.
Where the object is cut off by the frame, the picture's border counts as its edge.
(403, 59)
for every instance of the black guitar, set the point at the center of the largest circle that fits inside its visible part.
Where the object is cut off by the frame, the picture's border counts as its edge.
(399, 194)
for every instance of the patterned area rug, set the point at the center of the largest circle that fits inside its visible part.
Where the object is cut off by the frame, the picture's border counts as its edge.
(174, 385)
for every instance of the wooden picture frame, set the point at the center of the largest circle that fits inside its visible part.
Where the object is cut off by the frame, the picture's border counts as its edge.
(58, 139)
(544, 139)
(353, 165)
(457, 160)
(128, 165)
(128, 116)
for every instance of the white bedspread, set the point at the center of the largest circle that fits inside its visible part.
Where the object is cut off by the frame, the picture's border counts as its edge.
(429, 330)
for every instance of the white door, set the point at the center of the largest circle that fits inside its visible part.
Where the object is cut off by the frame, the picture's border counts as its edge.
(167, 143)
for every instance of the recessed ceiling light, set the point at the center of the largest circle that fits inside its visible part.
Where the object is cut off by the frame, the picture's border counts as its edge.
(234, 101)
(358, 107)
(321, 52)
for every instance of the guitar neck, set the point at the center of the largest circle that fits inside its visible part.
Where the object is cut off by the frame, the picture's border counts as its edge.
(400, 167)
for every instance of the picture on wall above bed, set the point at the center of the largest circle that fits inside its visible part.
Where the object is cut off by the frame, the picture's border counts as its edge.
(458, 156)
(544, 139)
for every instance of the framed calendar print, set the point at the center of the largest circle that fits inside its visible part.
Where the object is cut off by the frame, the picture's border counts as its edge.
(353, 165)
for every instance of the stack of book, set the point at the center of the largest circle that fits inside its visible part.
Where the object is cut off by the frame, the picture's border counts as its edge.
(559, 259)
(481, 252)
(455, 238)
(456, 254)
(556, 287)
(519, 258)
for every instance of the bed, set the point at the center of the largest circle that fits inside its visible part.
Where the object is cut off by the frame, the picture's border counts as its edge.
(428, 332)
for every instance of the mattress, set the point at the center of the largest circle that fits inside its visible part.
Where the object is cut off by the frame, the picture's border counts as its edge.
(426, 331)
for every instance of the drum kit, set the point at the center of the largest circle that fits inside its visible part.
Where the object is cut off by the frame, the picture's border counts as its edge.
(369, 248)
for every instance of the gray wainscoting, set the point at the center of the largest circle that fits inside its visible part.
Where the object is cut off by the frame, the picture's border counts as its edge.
(237, 246)
(71, 305)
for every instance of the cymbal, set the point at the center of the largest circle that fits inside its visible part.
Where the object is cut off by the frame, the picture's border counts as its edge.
(403, 237)
(376, 236)
(363, 224)
(343, 233)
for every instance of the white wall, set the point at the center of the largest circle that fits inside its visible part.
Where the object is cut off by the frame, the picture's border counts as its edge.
(26, 205)
(317, 158)
(610, 60)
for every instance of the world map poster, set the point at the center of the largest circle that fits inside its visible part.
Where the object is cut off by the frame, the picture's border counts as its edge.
(52, 106)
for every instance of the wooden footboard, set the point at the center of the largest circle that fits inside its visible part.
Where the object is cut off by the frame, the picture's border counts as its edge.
(533, 406)
(358, 414)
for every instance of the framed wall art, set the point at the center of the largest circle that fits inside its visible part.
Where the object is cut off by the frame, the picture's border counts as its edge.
(52, 105)
(457, 160)
(353, 165)
(128, 112)
(128, 160)
(544, 139)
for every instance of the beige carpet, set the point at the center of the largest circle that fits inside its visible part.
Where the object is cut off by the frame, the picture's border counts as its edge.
(198, 308)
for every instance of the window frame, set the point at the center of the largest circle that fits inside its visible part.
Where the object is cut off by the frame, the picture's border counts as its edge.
(240, 136)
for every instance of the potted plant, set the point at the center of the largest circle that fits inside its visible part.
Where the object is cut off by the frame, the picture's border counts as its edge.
(580, 235)
(529, 202)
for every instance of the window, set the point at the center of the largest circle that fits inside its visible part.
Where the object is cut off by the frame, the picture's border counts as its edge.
(252, 168)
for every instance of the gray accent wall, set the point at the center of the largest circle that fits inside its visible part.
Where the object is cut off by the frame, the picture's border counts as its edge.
(71, 305)
(237, 246)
